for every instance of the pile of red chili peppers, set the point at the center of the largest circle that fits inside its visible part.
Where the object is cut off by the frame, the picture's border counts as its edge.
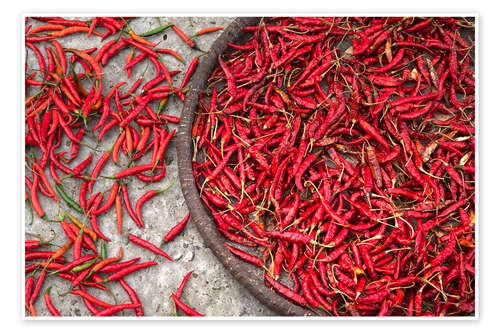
(340, 152)
(63, 102)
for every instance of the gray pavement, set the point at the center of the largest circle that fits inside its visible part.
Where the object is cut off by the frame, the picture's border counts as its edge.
(211, 289)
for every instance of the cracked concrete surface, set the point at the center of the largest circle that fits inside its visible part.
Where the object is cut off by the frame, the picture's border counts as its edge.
(211, 290)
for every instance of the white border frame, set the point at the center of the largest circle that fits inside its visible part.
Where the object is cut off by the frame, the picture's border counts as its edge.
(220, 13)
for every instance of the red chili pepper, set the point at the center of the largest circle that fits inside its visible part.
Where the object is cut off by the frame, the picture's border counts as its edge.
(28, 289)
(45, 27)
(102, 51)
(127, 270)
(140, 39)
(37, 286)
(77, 262)
(48, 302)
(189, 72)
(208, 30)
(145, 244)
(177, 229)
(32, 310)
(128, 206)
(36, 39)
(245, 256)
(41, 60)
(145, 197)
(136, 111)
(163, 146)
(285, 291)
(182, 35)
(186, 309)
(133, 171)
(119, 214)
(139, 312)
(110, 201)
(115, 308)
(178, 293)
(72, 30)
(45, 181)
(289, 236)
(171, 52)
(34, 198)
(229, 78)
(368, 128)
(112, 51)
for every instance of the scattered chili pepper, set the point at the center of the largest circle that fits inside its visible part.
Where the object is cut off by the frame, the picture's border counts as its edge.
(116, 308)
(177, 229)
(186, 309)
(208, 30)
(147, 245)
(145, 197)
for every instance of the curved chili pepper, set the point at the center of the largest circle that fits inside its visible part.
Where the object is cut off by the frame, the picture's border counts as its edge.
(116, 308)
(186, 309)
(109, 202)
(145, 244)
(245, 256)
(90, 298)
(127, 270)
(139, 312)
(118, 266)
(145, 197)
(229, 78)
(177, 229)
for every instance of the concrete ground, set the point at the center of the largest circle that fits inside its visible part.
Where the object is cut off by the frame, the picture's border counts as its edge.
(211, 290)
